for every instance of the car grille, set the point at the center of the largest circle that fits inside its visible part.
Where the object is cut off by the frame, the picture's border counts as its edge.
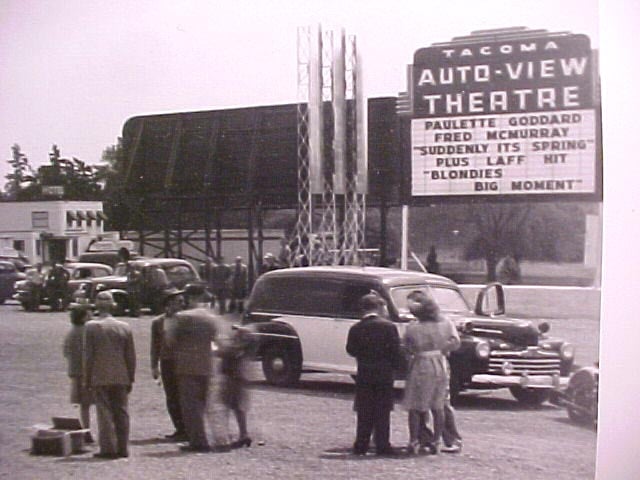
(531, 362)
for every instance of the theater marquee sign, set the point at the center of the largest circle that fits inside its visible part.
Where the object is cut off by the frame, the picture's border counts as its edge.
(504, 117)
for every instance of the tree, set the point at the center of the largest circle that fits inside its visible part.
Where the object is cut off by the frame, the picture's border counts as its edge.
(79, 180)
(22, 173)
(111, 175)
(499, 232)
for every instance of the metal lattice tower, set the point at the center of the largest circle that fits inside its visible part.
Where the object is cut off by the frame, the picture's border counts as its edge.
(304, 225)
(355, 167)
(328, 235)
(331, 150)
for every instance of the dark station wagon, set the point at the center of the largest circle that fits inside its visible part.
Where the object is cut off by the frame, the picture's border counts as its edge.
(303, 315)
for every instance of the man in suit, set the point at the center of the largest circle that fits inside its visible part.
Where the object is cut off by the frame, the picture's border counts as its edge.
(219, 283)
(163, 363)
(375, 343)
(192, 336)
(238, 286)
(109, 370)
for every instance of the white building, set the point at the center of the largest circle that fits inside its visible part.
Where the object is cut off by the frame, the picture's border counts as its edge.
(50, 230)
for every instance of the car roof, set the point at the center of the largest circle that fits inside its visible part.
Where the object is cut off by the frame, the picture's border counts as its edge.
(87, 265)
(160, 261)
(388, 276)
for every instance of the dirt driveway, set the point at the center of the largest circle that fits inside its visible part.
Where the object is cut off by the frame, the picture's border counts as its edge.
(306, 432)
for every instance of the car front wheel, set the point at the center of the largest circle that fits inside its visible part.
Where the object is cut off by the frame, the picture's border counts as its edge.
(582, 396)
(530, 396)
(281, 366)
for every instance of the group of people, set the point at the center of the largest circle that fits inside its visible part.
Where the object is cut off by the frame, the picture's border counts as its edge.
(226, 282)
(51, 284)
(200, 365)
(101, 360)
(375, 343)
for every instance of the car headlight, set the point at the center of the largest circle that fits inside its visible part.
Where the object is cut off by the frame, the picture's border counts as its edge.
(567, 351)
(483, 350)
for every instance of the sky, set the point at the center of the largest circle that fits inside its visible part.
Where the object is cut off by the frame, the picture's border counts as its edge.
(73, 72)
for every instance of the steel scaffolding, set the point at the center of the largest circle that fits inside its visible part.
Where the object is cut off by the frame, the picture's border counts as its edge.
(331, 151)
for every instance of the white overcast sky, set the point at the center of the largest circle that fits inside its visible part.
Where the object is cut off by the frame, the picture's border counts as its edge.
(73, 71)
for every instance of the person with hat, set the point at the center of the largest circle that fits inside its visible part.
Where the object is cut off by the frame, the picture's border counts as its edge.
(268, 263)
(163, 364)
(80, 313)
(109, 370)
(427, 342)
(193, 334)
(219, 283)
(375, 343)
(239, 277)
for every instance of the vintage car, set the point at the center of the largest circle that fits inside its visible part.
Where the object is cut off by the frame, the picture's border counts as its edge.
(9, 275)
(581, 396)
(32, 294)
(303, 316)
(149, 293)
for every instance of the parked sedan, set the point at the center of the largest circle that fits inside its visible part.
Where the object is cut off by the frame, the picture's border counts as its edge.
(31, 293)
(9, 274)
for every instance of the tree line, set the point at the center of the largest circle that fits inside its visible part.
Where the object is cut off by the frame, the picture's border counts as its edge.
(62, 178)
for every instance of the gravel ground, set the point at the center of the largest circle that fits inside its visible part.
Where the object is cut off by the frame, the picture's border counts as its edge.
(303, 432)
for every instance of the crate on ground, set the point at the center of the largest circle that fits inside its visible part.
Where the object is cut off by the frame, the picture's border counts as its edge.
(65, 437)
(51, 442)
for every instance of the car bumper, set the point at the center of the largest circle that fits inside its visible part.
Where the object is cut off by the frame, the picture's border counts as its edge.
(524, 381)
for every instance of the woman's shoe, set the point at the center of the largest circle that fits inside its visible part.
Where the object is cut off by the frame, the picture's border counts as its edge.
(242, 442)
(434, 448)
(455, 447)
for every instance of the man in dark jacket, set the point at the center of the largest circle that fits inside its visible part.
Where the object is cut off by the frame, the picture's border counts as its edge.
(375, 343)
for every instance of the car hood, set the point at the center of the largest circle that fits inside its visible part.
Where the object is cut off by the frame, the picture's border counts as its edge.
(512, 330)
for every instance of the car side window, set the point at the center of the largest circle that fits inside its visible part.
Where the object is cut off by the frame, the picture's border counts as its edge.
(349, 300)
(297, 296)
(82, 273)
(179, 274)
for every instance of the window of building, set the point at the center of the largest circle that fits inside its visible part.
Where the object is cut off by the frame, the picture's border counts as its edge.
(101, 218)
(71, 217)
(91, 216)
(38, 247)
(40, 219)
(74, 247)
(18, 245)
(81, 216)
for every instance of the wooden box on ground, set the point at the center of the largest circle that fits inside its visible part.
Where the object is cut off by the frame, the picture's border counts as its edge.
(51, 442)
(65, 437)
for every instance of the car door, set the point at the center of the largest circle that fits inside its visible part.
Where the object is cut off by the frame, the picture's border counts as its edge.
(312, 308)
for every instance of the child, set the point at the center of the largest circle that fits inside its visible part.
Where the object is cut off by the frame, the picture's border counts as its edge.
(80, 314)
(234, 354)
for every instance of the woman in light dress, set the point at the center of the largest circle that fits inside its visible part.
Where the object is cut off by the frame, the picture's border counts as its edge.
(427, 342)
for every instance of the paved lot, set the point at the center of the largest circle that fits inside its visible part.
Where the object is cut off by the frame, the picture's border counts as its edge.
(306, 431)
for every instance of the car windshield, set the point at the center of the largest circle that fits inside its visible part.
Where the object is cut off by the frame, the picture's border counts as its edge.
(179, 275)
(448, 299)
